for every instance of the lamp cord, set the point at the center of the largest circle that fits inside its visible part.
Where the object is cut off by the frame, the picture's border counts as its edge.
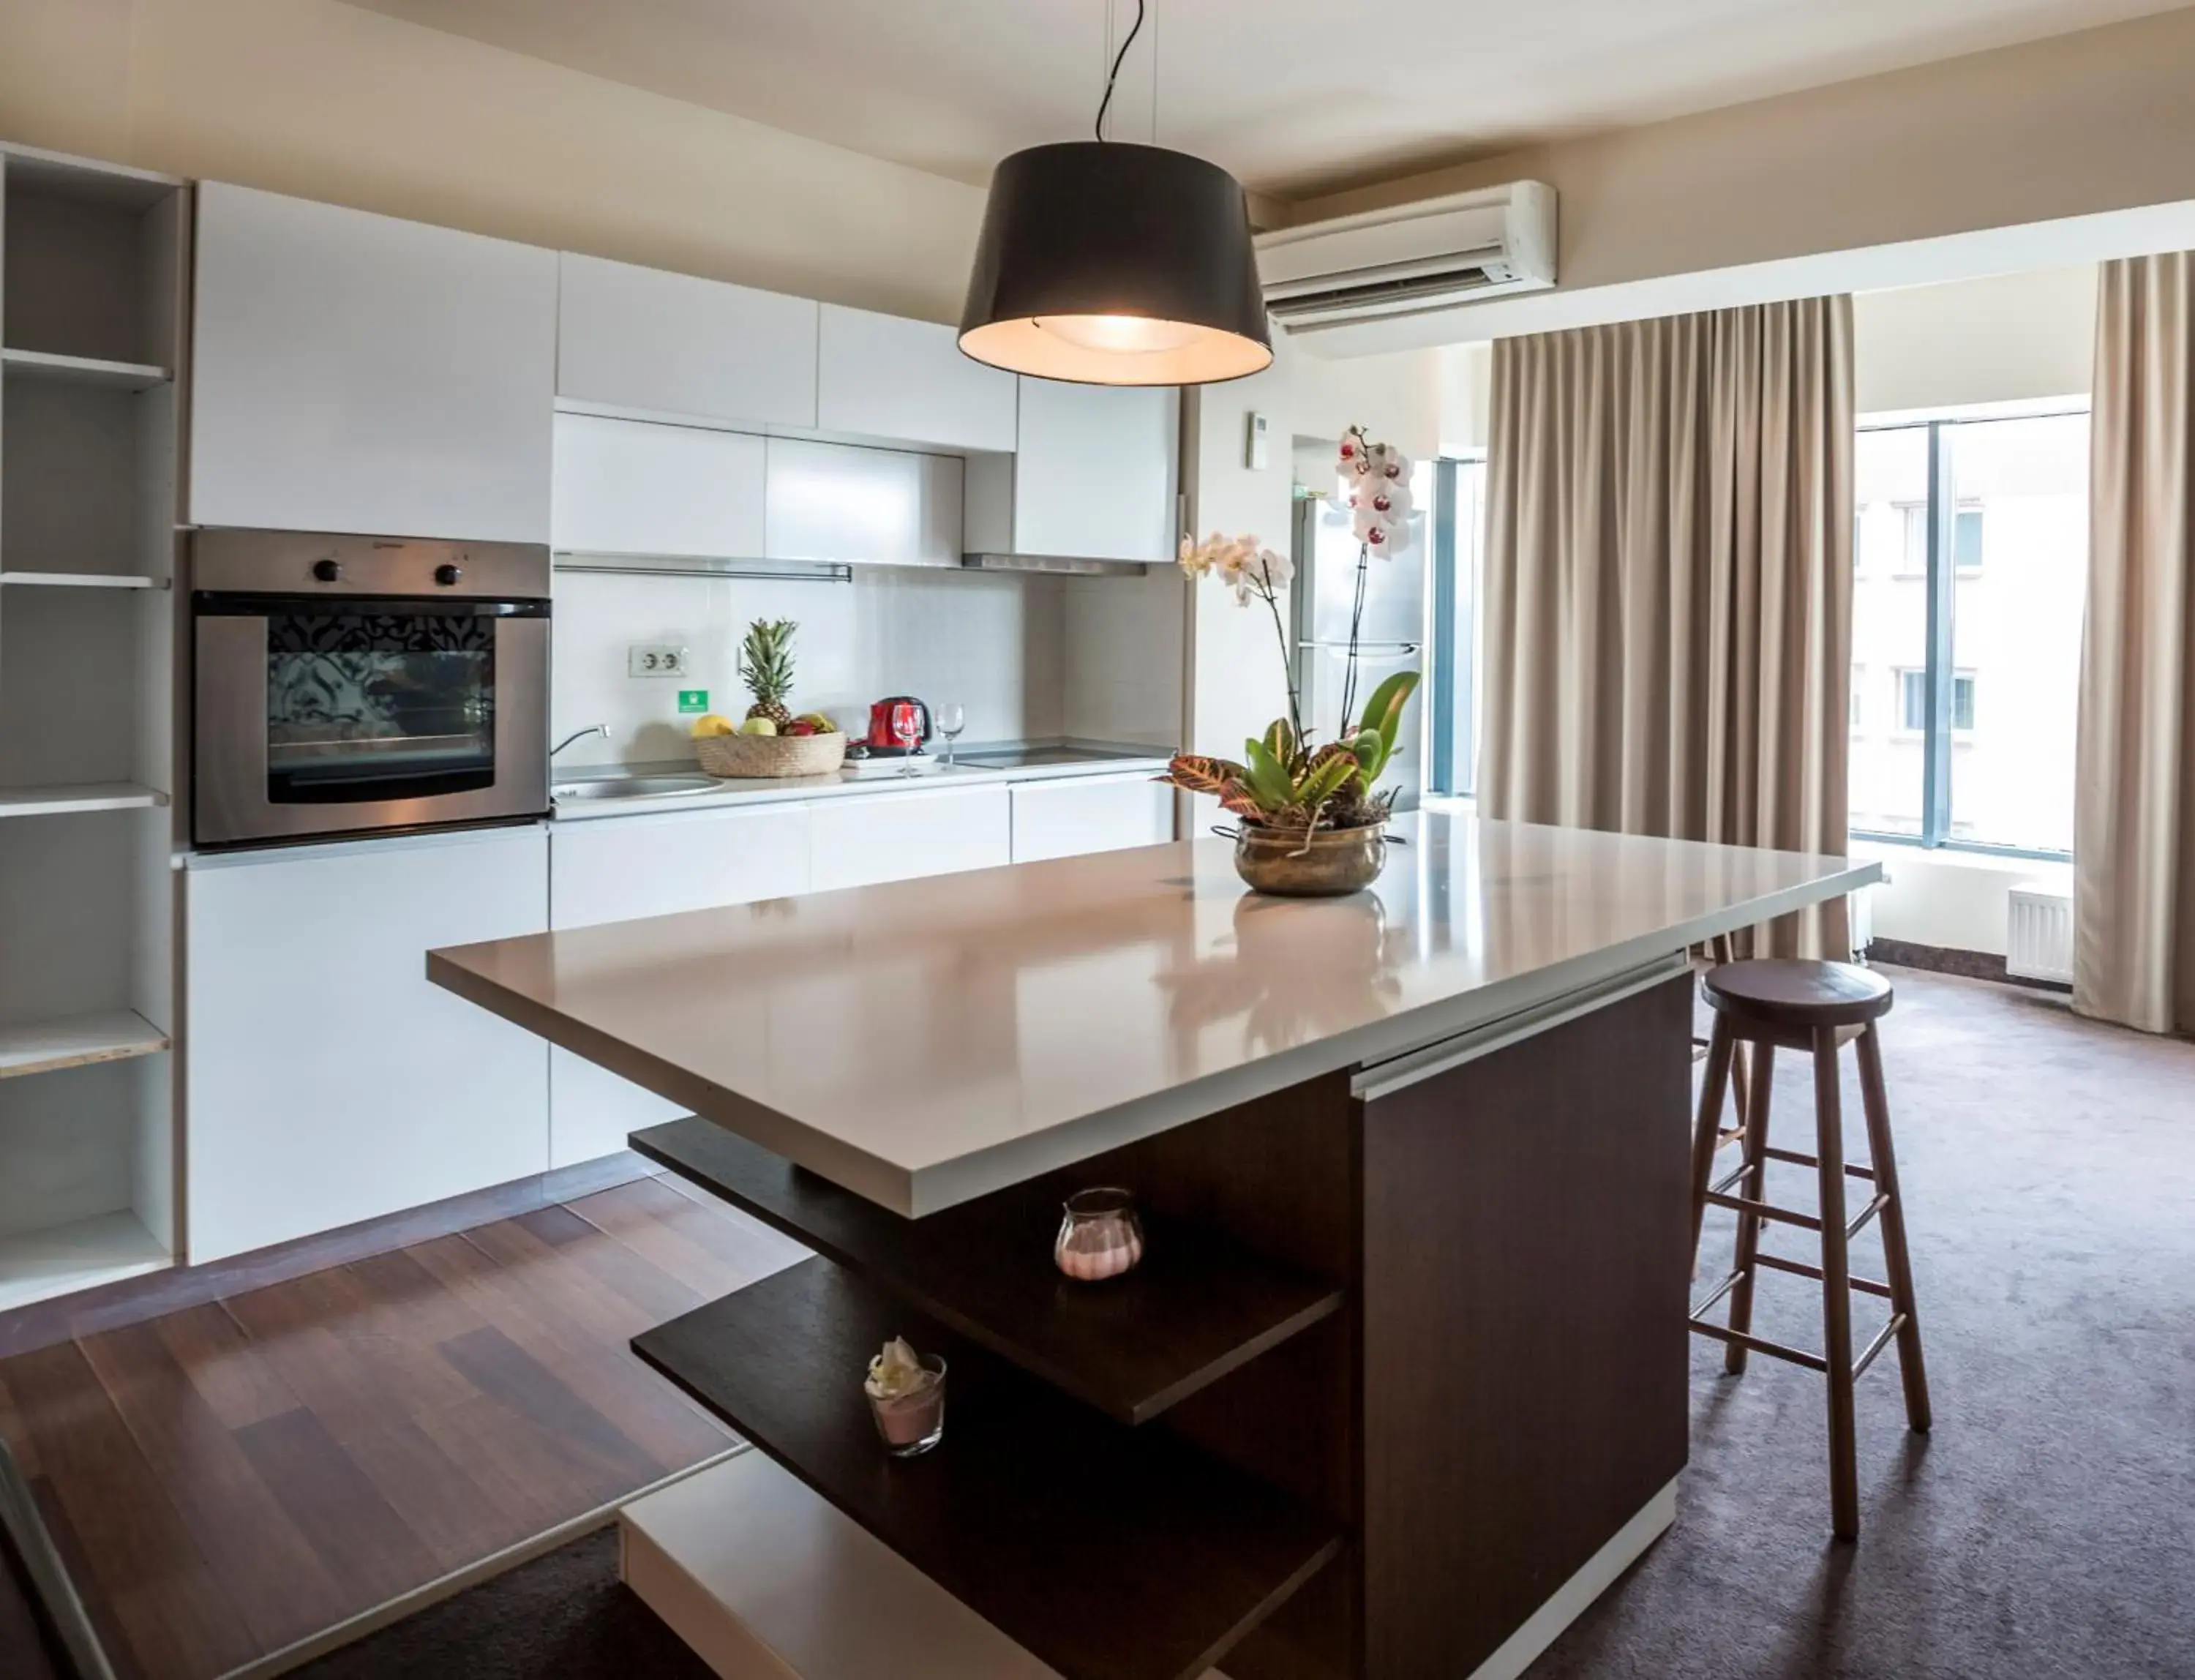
(1114, 74)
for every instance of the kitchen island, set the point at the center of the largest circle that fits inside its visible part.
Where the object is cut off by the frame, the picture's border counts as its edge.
(1401, 1385)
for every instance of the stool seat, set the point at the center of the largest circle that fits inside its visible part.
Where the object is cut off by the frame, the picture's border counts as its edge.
(1788, 992)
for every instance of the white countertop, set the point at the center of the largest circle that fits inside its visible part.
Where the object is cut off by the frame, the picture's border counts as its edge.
(932, 1041)
(773, 790)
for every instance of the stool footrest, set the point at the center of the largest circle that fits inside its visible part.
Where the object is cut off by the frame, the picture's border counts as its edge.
(1763, 1209)
(1858, 1223)
(1881, 1340)
(1799, 1160)
(1775, 1350)
(1799, 1268)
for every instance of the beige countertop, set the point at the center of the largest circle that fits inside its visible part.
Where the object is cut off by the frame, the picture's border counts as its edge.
(927, 1042)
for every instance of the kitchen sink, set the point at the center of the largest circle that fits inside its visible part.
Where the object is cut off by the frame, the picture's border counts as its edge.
(632, 788)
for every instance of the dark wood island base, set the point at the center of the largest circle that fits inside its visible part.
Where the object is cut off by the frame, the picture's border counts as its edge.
(1400, 1388)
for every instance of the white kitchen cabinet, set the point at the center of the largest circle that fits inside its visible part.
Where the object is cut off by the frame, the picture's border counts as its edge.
(887, 377)
(861, 839)
(639, 486)
(646, 339)
(618, 869)
(1094, 472)
(356, 372)
(1076, 815)
(886, 507)
(328, 1080)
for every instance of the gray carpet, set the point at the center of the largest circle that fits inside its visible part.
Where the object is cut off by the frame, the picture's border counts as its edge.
(2046, 1529)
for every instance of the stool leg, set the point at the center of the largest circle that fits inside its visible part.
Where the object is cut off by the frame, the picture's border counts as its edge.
(1708, 1127)
(1836, 1288)
(1895, 1259)
(1755, 1188)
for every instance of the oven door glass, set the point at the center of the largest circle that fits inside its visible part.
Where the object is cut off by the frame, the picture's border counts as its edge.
(372, 700)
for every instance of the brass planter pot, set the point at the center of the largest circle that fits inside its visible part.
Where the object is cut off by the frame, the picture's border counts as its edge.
(1331, 863)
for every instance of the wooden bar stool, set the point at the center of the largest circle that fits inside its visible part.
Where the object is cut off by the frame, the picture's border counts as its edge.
(1815, 1007)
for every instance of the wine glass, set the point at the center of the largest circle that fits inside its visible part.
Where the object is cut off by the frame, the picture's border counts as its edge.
(951, 720)
(907, 729)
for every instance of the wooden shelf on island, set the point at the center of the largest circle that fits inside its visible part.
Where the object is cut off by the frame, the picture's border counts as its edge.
(81, 1255)
(83, 370)
(1108, 1552)
(1198, 1306)
(77, 1040)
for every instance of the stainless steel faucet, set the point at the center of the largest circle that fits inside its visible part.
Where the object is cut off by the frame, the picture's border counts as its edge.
(603, 730)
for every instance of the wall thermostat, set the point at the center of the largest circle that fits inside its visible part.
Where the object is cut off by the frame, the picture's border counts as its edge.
(1253, 443)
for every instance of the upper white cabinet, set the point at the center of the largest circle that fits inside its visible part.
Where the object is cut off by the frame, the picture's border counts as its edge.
(1092, 476)
(841, 503)
(355, 372)
(885, 376)
(638, 487)
(1096, 471)
(329, 1081)
(641, 338)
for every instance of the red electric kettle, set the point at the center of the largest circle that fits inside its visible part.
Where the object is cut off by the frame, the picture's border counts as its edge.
(892, 720)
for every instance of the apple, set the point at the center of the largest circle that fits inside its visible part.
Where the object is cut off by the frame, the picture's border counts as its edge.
(799, 726)
(757, 726)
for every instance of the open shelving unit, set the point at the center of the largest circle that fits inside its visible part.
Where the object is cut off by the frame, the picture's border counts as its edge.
(93, 260)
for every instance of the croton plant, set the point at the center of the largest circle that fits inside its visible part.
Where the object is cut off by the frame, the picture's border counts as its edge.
(1289, 779)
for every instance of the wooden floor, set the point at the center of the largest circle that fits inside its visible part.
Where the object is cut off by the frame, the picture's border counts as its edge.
(243, 1474)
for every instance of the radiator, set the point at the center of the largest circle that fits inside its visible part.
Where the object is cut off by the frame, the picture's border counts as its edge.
(2039, 934)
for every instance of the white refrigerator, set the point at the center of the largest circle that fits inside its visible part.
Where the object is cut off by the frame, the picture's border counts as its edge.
(1391, 629)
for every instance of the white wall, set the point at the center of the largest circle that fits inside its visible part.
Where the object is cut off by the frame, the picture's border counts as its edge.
(1238, 681)
(2009, 338)
(1956, 901)
(326, 101)
(993, 643)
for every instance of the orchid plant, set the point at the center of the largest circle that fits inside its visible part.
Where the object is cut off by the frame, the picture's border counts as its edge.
(1288, 779)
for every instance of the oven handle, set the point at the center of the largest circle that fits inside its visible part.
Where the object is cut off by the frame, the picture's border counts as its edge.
(225, 603)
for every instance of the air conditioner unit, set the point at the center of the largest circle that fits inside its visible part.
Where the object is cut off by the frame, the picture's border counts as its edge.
(1411, 260)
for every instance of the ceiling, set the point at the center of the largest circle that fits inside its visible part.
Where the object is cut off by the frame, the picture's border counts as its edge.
(1295, 96)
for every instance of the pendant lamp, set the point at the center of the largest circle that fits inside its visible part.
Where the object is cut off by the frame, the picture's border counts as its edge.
(1108, 263)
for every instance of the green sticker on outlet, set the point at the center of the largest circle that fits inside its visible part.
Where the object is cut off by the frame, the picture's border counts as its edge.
(692, 700)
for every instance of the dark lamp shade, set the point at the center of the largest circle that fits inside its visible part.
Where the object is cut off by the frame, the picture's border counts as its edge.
(1111, 264)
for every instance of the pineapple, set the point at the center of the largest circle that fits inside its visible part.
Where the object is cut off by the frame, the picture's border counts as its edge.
(766, 667)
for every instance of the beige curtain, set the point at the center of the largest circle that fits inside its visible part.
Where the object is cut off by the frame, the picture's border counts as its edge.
(1668, 581)
(2133, 813)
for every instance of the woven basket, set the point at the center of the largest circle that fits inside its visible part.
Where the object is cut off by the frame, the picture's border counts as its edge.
(738, 756)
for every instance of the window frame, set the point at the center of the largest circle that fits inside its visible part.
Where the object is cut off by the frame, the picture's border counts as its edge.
(1942, 574)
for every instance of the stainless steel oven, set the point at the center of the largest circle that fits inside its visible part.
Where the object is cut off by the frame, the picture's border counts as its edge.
(347, 684)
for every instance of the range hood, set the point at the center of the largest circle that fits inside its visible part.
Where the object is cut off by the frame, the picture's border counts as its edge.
(1065, 565)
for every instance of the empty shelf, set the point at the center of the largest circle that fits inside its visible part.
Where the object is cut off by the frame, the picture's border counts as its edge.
(84, 580)
(35, 1265)
(60, 800)
(76, 1041)
(83, 370)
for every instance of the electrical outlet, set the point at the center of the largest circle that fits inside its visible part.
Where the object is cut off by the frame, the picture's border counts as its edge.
(654, 659)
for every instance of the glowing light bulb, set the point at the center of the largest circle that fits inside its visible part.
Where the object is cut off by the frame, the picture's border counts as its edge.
(1121, 335)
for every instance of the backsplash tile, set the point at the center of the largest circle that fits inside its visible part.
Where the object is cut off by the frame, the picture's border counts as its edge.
(994, 643)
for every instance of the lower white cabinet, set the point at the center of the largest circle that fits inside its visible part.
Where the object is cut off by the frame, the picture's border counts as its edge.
(1093, 813)
(620, 868)
(861, 840)
(327, 1081)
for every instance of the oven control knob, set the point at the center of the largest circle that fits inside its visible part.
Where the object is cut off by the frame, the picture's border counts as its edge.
(447, 575)
(327, 571)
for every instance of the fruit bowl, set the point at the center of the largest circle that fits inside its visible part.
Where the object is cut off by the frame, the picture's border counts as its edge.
(736, 757)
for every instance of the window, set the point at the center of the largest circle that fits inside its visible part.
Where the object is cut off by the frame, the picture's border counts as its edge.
(2002, 608)
(1966, 539)
(1458, 534)
(1913, 703)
